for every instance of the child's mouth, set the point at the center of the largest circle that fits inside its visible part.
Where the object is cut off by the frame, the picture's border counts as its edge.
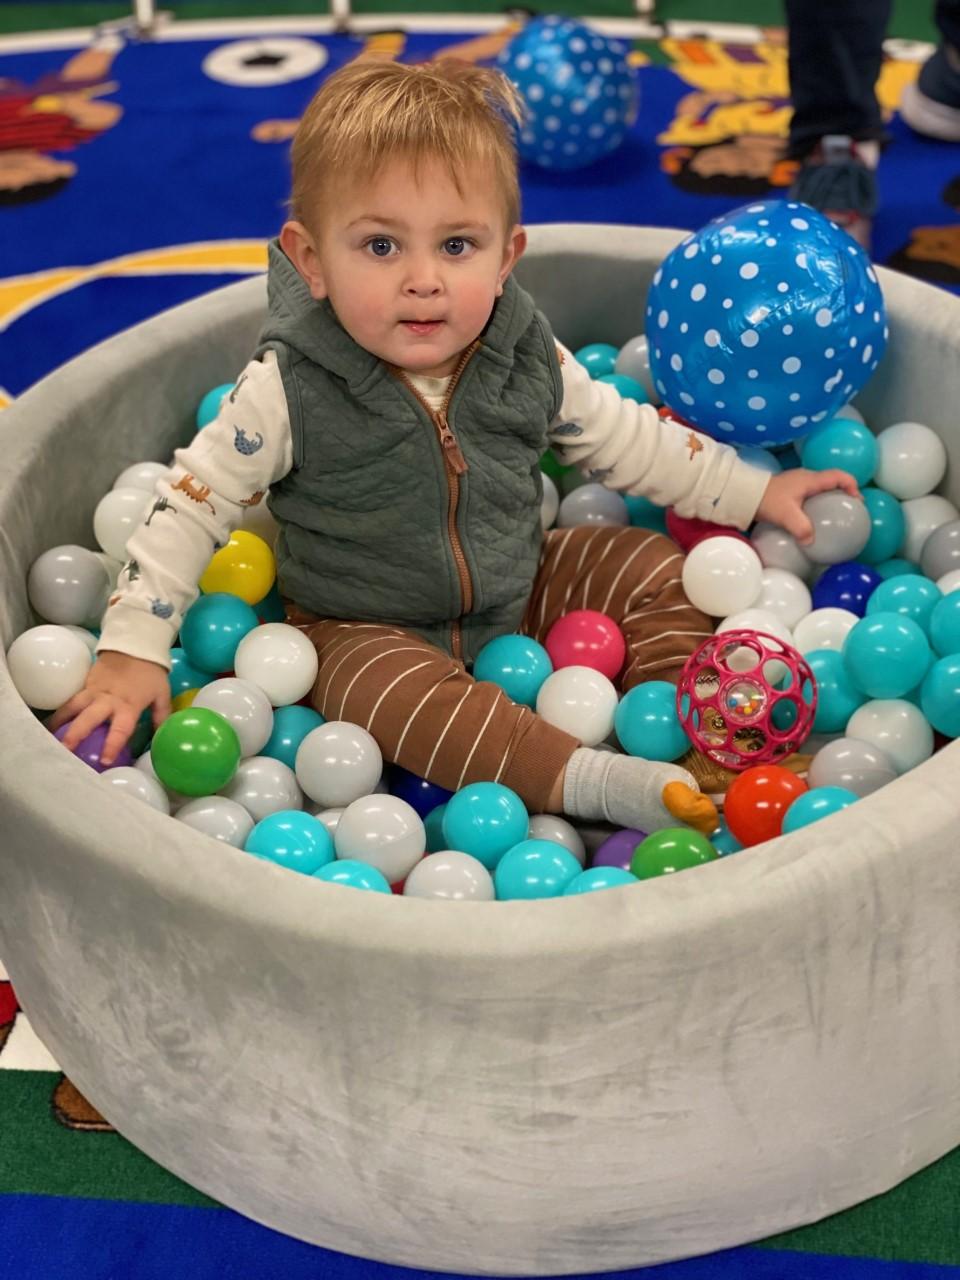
(422, 327)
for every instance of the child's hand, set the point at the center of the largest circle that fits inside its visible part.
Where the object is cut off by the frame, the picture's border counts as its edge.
(786, 493)
(118, 688)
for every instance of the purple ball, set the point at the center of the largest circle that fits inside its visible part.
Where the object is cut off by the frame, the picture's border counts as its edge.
(617, 850)
(91, 748)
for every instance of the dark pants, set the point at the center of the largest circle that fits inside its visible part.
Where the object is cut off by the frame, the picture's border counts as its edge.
(836, 47)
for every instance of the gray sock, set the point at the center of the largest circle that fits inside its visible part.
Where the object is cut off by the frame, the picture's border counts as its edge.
(620, 789)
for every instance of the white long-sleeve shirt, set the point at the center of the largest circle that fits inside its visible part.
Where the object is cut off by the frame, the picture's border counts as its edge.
(231, 464)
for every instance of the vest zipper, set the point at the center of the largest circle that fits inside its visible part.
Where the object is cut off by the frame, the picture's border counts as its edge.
(456, 466)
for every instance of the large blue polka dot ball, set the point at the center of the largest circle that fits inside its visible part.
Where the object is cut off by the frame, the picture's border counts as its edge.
(579, 91)
(764, 323)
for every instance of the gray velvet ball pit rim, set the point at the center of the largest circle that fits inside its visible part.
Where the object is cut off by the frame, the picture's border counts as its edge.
(499, 1088)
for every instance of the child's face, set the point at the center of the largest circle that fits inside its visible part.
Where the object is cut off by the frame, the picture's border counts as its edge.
(411, 267)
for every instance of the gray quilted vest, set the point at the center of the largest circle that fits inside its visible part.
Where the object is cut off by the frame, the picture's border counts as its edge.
(367, 530)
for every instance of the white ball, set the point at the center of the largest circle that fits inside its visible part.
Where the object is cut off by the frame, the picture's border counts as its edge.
(949, 582)
(784, 594)
(778, 549)
(278, 659)
(897, 727)
(329, 817)
(117, 514)
(912, 460)
(848, 762)
(219, 818)
(138, 784)
(722, 576)
(175, 799)
(48, 665)
(633, 361)
(549, 503)
(142, 475)
(244, 706)
(338, 763)
(263, 786)
(851, 414)
(384, 832)
(823, 629)
(452, 876)
(922, 516)
(580, 701)
(744, 659)
(88, 638)
(112, 568)
(592, 504)
(68, 585)
(547, 826)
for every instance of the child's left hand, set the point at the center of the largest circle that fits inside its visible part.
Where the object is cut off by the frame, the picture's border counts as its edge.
(786, 493)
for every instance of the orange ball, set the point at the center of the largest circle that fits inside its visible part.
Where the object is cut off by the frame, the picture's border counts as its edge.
(757, 801)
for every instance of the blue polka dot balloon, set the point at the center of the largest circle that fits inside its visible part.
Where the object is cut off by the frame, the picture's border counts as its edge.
(765, 322)
(580, 92)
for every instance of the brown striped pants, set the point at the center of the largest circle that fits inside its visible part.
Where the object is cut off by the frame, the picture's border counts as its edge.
(428, 715)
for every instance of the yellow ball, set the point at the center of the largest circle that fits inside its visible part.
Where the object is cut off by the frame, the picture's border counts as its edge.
(245, 567)
(184, 700)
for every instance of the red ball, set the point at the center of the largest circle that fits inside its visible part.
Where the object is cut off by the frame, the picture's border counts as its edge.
(686, 531)
(757, 801)
(586, 638)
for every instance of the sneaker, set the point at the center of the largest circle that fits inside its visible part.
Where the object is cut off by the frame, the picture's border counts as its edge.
(931, 104)
(838, 178)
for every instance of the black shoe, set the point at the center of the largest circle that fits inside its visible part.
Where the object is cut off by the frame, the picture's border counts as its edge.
(837, 177)
(931, 105)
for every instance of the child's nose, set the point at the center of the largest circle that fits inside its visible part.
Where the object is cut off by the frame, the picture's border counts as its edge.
(423, 278)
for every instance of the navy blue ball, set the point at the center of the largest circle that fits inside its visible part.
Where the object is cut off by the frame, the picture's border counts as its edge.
(845, 586)
(418, 792)
(766, 321)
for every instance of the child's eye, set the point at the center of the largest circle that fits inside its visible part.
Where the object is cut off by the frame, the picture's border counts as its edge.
(380, 246)
(457, 246)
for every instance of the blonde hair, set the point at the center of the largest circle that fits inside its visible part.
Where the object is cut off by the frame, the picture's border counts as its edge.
(372, 111)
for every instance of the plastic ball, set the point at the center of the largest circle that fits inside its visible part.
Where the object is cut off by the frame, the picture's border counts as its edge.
(138, 785)
(941, 551)
(212, 629)
(291, 724)
(724, 841)
(244, 706)
(548, 826)
(183, 675)
(909, 594)
(842, 443)
(687, 531)
(593, 505)
(535, 869)
(912, 460)
(756, 802)
(618, 850)
(825, 628)
(783, 594)
(549, 503)
(815, 804)
(848, 585)
(219, 818)
(897, 727)
(118, 513)
(586, 638)
(950, 582)
(857, 766)
(722, 576)
(183, 700)
(598, 358)
(580, 701)
(940, 696)
(209, 406)
(48, 665)
(174, 798)
(422, 796)
(887, 525)
(141, 475)
(278, 659)
(264, 786)
(245, 567)
(90, 748)
(291, 839)
(895, 567)
(672, 849)
(773, 288)
(485, 819)
(196, 752)
(599, 878)
(646, 722)
(923, 517)
(518, 664)
(763, 459)
(837, 696)
(841, 527)
(633, 360)
(579, 90)
(944, 626)
(450, 876)
(778, 549)
(68, 585)
(886, 655)
(353, 875)
(628, 388)
(383, 831)
(433, 826)
(338, 763)
(645, 514)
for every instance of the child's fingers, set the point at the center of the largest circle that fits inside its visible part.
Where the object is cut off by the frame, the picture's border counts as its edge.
(836, 479)
(800, 525)
(70, 708)
(122, 725)
(161, 707)
(94, 713)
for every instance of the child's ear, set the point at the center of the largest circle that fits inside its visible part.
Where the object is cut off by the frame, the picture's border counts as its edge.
(300, 247)
(516, 243)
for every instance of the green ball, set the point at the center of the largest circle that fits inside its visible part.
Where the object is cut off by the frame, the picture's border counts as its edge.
(195, 752)
(551, 466)
(669, 850)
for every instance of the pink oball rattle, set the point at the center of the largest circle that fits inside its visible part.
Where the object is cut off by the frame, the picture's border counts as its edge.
(746, 698)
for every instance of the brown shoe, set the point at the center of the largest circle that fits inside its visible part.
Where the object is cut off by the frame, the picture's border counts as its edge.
(73, 1111)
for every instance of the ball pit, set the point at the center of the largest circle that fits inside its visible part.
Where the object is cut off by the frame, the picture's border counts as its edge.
(609, 1044)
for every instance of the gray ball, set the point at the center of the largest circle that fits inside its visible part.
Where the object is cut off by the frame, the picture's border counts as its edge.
(941, 551)
(67, 585)
(841, 527)
(848, 762)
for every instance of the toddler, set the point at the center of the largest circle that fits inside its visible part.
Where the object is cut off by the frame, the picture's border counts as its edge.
(396, 408)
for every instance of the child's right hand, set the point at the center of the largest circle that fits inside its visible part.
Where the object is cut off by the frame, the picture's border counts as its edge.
(118, 688)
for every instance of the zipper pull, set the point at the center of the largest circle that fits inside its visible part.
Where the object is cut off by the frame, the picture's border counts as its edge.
(451, 449)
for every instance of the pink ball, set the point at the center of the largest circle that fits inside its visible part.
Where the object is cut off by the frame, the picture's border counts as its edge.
(586, 638)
